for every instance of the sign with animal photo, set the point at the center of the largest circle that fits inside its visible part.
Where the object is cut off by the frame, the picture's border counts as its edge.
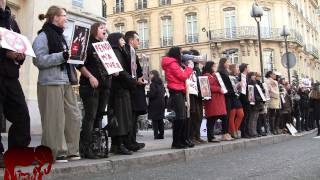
(107, 56)
(145, 68)
(261, 93)
(15, 42)
(266, 90)
(205, 87)
(251, 97)
(79, 43)
(192, 84)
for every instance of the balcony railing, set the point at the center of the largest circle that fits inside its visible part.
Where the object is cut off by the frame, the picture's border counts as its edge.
(192, 38)
(141, 5)
(144, 44)
(251, 32)
(166, 41)
(311, 49)
(118, 9)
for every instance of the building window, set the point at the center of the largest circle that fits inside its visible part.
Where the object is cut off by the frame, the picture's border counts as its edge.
(120, 27)
(165, 2)
(268, 56)
(166, 24)
(104, 8)
(234, 58)
(266, 23)
(141, 4)
(119, 6)
(78, 3)
(192, 28)
(230, 22)
(143, 31)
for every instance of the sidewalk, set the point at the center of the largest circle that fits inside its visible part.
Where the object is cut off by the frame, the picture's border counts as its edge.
(156, 153)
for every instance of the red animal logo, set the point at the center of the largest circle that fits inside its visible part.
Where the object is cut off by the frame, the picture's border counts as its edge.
(27, 156)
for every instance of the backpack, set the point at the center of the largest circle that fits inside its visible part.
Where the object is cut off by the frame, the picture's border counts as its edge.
(99, 143)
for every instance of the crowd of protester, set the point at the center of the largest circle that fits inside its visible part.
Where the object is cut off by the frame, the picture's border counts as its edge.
(122, 97)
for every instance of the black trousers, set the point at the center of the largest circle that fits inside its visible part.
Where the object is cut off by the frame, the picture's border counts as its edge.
(274, 119)
(196, 120)
(318, 126)
(14, 108)
(286, 118)
(262, 122)
(246, 109)
(304, 118)
(94, 103)
(158, 128)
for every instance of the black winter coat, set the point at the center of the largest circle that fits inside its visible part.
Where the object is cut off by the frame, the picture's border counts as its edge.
(8, 67)
(315, 105)
(156, 106)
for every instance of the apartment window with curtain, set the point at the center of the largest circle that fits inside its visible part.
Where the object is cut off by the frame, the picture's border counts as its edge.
(141, 4)
(164, 2)
(266, 23)
(119, 6)
(78, 3)
(166, 31)
(120, 27)
(143, 31)
(192, 28)
(230, 22)
(268, 58)
(104, 8)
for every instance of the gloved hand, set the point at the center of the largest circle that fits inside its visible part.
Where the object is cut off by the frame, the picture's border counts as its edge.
(66, 55)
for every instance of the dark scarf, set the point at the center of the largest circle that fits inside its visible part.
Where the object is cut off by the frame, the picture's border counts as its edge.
(5, 18)
(56, 44)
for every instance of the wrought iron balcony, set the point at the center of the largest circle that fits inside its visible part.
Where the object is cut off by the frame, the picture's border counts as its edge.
(311, 49)
(144, 44)
(164, 2)
(118, 9)
(251, 32)
(166, 41)
(192, 38)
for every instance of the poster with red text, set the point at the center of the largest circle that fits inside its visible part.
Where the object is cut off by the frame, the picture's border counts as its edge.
(15, 42)
(107, 56)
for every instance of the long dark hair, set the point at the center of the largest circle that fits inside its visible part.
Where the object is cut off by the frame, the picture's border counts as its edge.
(156, 77)
(175, 52)
(114, 38)
(208, 67)
(221, 68)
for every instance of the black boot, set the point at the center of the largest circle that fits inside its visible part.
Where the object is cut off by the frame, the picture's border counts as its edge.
(176, 135)
(122, 150)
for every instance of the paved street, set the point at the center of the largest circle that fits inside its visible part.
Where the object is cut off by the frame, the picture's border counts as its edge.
(295, 159)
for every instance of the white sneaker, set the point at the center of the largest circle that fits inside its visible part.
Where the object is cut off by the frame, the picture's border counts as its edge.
(62, 159)
(74, 157)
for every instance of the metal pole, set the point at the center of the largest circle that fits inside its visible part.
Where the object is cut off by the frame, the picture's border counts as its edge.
(288, 68)
(260, 50)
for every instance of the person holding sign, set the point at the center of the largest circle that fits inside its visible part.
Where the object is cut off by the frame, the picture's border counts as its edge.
(138, 96)
(120, 105)
(176, 75)
(12, 101)
(274, 103)
(256, 107)
(215, 108)
(230, 96)
(95, 84)
(60, 115)
(262, 120)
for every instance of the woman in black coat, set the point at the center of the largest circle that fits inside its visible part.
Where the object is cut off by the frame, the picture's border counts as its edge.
(119, 108)
(315, 105)
(156, 104)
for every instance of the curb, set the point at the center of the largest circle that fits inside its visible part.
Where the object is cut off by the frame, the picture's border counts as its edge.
(116, 164)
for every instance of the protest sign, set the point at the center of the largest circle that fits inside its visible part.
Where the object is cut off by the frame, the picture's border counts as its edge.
(107, 56)
(15, 42)
(192, 84)
(145, 68)
(243, 84)
(261, 93)
(79, 43)
(266, 90)
(251, 97)
(223, 87)
(205, 87)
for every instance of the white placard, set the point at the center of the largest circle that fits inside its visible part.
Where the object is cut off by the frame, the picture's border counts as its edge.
(15, 42)
(192, 84)
(205, 87)
(79, 43)
(291, 129)
(223, 87)
(243, 84)
(266, 90)
(261, 93)
(282, 98)
(251, 98)
(107, 56)
(203, 128)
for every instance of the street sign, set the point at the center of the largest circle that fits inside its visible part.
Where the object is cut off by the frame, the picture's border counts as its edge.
(292, 60)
